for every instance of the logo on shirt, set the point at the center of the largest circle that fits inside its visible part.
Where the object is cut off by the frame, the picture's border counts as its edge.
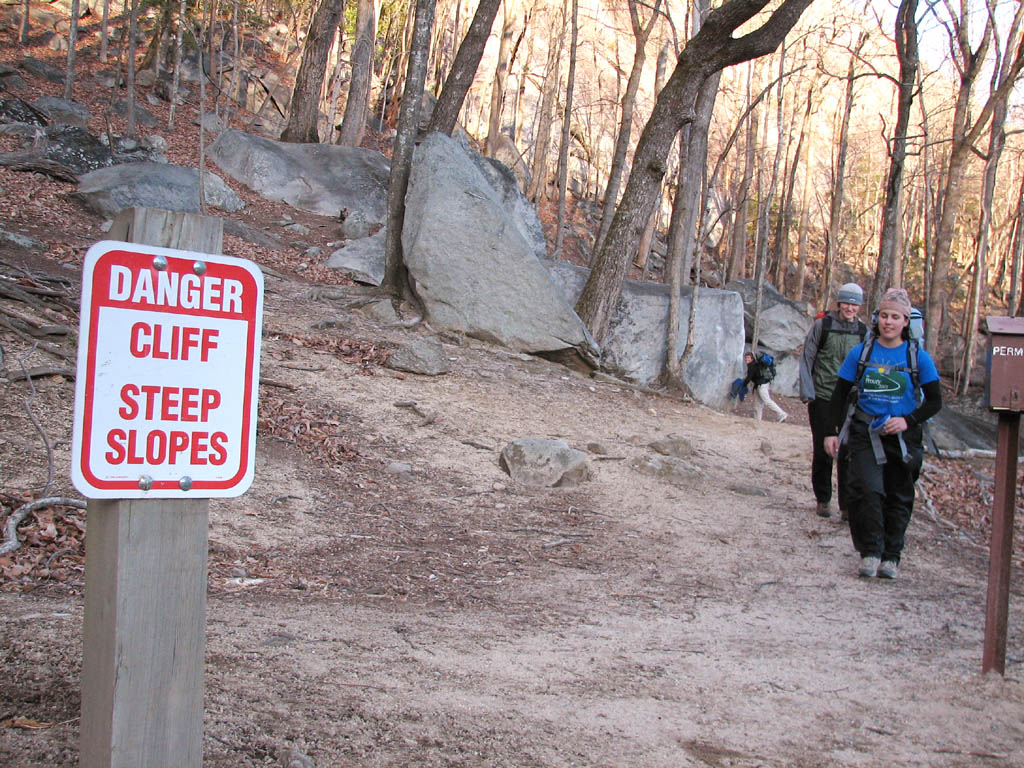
(884, 381)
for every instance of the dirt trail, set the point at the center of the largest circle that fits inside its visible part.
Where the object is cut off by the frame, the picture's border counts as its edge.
(385, 596)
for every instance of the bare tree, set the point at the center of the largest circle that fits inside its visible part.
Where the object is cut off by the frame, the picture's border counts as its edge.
(69, 76)
(304, 110)
(395, 274)
(738, 250)
(641, 33)
(997, 141)
(889, 239)
(563, 151)
(357, 105)
(500, 81)
(463, 70)
(542, 142)
(713, 48)
(835, 210)
(965, 134)
(104, 30)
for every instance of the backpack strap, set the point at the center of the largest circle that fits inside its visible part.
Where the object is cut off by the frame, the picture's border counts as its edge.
(862, 364)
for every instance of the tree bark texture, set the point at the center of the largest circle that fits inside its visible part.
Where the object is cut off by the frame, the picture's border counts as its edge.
(463, 69)
(395, 276)
(357, 104)
(304, 111)
(710, 50)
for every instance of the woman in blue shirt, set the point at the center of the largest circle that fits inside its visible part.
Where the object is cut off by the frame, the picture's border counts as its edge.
(883, 434)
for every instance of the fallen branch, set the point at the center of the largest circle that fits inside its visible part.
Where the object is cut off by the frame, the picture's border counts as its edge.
(42, 370)
(973, 753)
(26, 160)
(11, 542)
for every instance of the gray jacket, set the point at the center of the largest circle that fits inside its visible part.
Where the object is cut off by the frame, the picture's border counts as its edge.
(819, 368)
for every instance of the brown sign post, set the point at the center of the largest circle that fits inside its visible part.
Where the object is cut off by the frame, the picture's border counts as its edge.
(1004, 394)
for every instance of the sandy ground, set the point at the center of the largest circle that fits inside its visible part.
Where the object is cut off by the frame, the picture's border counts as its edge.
(384, 595)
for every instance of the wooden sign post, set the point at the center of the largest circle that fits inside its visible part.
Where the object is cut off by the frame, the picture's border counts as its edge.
(154, 439)
(1004, 393)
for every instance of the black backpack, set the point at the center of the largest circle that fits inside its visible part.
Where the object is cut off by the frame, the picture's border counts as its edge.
(767, 364)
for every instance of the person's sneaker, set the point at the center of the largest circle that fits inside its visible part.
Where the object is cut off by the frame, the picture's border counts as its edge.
(889, 569)
(869, 566)
(823, 509)
(782, 419)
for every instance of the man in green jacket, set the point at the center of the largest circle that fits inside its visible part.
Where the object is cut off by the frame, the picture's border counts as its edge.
(829, 340)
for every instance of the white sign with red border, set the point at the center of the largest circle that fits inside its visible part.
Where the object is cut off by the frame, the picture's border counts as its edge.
(168, 373)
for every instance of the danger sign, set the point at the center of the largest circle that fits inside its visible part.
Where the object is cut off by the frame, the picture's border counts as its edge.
(168, 371)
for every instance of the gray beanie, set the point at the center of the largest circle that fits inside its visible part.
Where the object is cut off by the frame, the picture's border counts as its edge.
(850, 293)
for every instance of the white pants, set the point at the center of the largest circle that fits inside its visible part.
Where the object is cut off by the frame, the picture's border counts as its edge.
(763, 398)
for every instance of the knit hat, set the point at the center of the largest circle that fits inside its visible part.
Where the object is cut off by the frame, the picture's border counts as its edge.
(896, 300)
(850, 293)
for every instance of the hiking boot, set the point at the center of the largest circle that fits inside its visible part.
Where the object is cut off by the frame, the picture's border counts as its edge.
(823, 509)
(844, 515)
(889, 569)
(869, 566)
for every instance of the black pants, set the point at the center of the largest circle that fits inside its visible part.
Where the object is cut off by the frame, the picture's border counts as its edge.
(821, 464)
(881, 496)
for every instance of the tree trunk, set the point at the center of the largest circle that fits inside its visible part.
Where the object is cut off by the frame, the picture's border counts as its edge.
(357, 105)
(176, 81)
(129, 52)
(786, 219)
(500, 81)
(563, 151)
(304, 111)
(1017, 263)
(542, 140)
(641, 32)
(69, 76)
(463, 70)
(643, 251)
(334, 82)
(395, 275)
(835, 212)
(888, 245)
(686, 244)
(26, 26)
(738, 252)
(710, 50)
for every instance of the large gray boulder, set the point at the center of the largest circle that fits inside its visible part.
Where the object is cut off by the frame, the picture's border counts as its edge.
(784, 322)
(634, 347)
(318, 178)
(470, 262)
(153, 185)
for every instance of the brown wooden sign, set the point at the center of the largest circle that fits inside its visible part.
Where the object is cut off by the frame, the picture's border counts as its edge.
(1004, 374)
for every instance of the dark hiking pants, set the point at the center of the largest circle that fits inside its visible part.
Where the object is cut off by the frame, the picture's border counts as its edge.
(821, 464)
(881, 496)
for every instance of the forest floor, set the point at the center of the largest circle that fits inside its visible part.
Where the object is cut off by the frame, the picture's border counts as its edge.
(384, 595)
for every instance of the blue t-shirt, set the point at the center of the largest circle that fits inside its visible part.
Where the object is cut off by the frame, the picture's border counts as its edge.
(886, 388)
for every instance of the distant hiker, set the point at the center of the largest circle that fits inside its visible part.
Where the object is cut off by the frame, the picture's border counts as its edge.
(828, 342)
(760, 372)
(896, 389)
